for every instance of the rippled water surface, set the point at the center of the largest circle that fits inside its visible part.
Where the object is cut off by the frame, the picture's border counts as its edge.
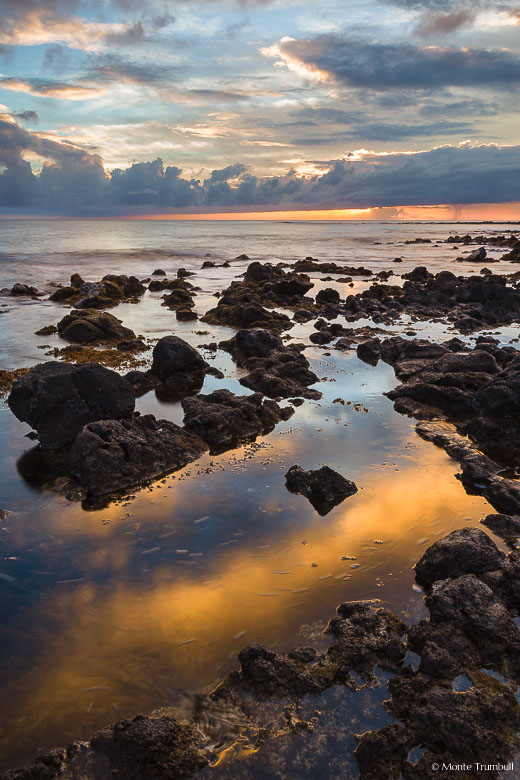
(139, 605)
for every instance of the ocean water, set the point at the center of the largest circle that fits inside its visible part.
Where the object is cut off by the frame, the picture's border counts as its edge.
(147, 602)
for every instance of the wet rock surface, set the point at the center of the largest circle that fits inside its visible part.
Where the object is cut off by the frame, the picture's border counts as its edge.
(110, 291)
(58, 399)
(248, 303)
(92, 327)
(324, 487)
(223, 419)
(112, 455)
(155, 748)
(276, 370)
(469, 303)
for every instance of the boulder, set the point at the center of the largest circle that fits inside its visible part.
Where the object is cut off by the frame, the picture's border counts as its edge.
(152, 748)
(58, 399)
(20, 289)
(328, 295)
(90, 326)
(111, 455)
(172, 355)
(464, 551)
(324, 487)
(223, 419)
(369, 351)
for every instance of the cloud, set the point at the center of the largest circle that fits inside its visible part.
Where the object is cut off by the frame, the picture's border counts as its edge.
(380, 66)
(72, 181)
(387, 132)
(25, 116)
(51, 89)
(431, 25)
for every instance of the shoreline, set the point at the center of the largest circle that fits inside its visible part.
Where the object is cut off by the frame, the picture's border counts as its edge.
(252, 306)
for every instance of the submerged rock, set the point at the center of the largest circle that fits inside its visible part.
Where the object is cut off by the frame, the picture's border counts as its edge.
(112, 455)
(324, 487)
(90, 326)
(58, 399)
(223, 419)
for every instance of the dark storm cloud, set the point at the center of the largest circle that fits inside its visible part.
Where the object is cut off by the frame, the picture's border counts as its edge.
(382, 66)
(72, 181)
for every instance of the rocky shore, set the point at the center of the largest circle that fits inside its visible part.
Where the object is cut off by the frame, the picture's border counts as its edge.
(457, 705)
(452, 677)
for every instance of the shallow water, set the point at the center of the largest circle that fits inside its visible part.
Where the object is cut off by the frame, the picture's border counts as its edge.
(112, 612)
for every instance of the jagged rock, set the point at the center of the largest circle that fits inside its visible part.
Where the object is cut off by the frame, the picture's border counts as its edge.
(324, 487)
(328, 295)
(505, 526)
(223, 419)
(20, 289)
(369, 351)
(179, 366)
(151, 748)
(111, 455)
(464, 551)
(90, 326)
(58, 399)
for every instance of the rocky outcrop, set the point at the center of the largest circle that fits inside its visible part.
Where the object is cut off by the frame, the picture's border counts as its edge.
(276, 370)
(324, 487)
(111, 455)
(246, 304)
(58, 399)
(469, 303)
(464, 551)
(154, 748)
(93, 327)
(223, 419)
(110, 291)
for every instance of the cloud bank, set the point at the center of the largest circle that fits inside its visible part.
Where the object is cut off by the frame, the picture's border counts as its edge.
(379, 66)
(73, 182)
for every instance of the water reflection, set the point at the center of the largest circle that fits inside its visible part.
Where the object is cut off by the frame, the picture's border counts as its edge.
(136, 604)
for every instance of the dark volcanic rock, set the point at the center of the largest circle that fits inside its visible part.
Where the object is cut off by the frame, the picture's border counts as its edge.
(92, 327)
(252, 343)
(58, 399)
(328, 295)
(276, 370)
(505, 526)
(464, 551)
(324, 487)
(223, 419)
(172, 355)
(110, 291)
(179, 366)
(110, 456)
(470, 303)
(158, 272)
(369, 351)
(151, 749)
(20, 289)
(245, 304)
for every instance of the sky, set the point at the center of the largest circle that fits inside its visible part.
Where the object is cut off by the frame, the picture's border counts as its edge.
(375, 107)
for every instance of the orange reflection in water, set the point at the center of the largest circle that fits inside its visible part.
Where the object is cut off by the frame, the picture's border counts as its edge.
(110, 652)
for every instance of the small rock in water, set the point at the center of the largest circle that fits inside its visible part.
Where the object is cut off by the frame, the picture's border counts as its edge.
(324, 487)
